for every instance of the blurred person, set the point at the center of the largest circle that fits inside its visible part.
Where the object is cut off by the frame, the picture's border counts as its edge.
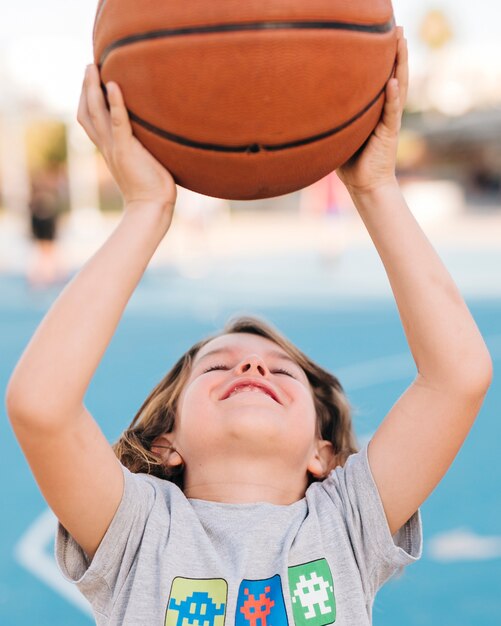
(238, 488)
(45, 267)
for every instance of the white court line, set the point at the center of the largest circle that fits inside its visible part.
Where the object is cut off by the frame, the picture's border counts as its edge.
(31, 553)
(463, 545)
(377, 371)
(454, 545)
(392, 368)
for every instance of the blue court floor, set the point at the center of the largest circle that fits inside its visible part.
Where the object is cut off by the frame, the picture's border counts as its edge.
(458, 580)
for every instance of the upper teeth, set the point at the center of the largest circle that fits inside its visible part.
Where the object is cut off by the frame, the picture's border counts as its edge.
(248, 388)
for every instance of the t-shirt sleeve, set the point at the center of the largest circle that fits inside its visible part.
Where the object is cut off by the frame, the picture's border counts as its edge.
(379, 555)
(102, 579)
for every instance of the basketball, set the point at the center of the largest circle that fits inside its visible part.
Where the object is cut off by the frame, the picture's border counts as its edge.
(248, 100)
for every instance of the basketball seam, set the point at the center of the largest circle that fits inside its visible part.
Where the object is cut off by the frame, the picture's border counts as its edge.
(252, 148)
(374, 29)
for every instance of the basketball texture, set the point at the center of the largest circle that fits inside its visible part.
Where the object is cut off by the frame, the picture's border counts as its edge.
(248, 99)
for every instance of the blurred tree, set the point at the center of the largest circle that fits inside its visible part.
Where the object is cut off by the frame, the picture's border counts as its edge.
(46, 145)
(436, 30)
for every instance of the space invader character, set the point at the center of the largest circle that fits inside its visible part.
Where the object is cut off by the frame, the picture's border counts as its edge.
(198, 609)
(312, 592)
(255, 609)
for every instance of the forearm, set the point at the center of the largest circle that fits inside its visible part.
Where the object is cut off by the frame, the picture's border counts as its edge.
(55, 370)
(443, 337)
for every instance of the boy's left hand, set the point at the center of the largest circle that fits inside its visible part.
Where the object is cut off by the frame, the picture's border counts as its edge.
(374, 165)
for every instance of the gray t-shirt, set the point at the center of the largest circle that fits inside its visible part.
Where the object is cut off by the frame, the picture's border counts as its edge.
(168, 560)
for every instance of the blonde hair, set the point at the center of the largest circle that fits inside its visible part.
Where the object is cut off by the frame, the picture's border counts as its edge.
(158, 412)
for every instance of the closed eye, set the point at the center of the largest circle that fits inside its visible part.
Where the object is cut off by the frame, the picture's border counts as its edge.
(280, 370)
(283, 371)
(215, 367)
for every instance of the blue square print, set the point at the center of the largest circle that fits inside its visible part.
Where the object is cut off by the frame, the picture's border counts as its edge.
(261, 603)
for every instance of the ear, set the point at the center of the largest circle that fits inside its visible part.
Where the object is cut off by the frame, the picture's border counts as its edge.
(323, 459)
(163, 447)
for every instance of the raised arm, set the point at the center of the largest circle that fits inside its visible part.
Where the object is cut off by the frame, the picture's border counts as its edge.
(423, 432)
(73, 463)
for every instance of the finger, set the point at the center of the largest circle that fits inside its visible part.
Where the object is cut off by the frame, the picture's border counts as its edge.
(96, 105)
(83, 116)
(392, 112)
(402, 71)
(120, 124)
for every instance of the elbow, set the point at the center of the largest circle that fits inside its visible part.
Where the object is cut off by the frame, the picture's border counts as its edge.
(11, 400)
(16, 403)
(19, 396)
(44, 411)
(477, 380)
(487, 377)
(467, 382)
(26, 410)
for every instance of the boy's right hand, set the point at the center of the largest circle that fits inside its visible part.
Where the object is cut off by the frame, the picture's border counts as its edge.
(140, 177)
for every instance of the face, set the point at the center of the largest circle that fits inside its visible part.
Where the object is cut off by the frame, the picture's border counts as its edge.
(245, 395)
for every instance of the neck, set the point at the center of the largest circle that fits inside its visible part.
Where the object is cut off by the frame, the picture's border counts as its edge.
(244, 481)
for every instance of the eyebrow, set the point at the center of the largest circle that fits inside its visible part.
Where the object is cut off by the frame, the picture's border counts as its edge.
(273, 353)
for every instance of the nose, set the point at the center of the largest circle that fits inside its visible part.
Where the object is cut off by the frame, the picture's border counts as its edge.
(252, 363)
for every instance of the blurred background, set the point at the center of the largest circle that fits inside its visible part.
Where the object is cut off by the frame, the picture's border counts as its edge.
(304, 261)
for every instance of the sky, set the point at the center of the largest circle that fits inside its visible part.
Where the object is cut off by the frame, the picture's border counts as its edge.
(45, 46)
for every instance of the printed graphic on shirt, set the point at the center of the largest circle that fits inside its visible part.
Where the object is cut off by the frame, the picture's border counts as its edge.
(197, 602)
(261, 603)
(312, 594)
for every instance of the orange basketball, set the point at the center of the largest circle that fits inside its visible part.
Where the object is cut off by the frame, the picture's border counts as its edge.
(248, 99)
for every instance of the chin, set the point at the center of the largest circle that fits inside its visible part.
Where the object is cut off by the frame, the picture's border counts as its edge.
(252, 427)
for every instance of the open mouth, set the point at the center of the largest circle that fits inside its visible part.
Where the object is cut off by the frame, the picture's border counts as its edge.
(249, 387)
(252, 389)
